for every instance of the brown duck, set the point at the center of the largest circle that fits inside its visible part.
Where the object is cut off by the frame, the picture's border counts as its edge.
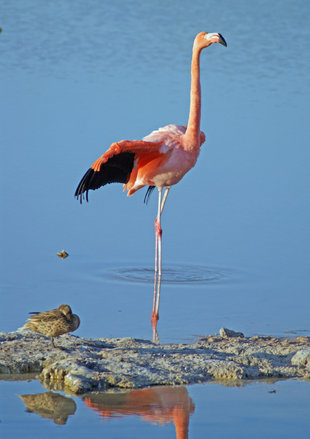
(54, 322)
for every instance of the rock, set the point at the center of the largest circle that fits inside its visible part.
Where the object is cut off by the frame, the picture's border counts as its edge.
(302, 358)
(85, 365)
(224, 332)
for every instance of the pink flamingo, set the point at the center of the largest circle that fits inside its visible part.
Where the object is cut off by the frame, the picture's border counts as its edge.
(161, 159)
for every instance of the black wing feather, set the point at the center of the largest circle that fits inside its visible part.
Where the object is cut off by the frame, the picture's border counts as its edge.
(148, 194)
(116, 170)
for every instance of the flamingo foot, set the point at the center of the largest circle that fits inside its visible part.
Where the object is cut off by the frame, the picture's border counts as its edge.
(158, 229)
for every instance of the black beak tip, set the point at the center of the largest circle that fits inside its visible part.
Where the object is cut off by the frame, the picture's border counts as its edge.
(222, 40)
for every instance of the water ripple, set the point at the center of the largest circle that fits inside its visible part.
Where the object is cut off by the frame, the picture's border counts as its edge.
(173, 274)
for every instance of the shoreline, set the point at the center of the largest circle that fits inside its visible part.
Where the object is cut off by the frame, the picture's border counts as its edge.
(84, 365)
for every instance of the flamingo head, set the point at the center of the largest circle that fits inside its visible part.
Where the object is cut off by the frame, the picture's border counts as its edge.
(205, 39)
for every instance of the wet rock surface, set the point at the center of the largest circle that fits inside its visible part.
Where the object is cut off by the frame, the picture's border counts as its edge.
(84, 365)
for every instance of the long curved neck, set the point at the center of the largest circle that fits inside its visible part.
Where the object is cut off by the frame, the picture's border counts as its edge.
(193, 126)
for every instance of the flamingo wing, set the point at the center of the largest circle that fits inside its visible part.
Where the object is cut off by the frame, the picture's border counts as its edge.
(116, 165)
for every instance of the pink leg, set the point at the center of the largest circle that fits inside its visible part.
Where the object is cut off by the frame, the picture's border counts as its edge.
(158, 232)
(157, 276)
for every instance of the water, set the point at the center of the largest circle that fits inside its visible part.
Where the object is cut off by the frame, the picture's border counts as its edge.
(179, 274)
(74, 78)
(256, 410)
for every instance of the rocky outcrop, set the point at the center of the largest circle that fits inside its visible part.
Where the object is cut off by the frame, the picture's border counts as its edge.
(83, 365)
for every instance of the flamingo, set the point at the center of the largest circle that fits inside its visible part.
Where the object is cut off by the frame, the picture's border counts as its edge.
(160, 160)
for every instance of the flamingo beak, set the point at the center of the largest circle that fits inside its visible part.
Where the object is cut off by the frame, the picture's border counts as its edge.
(216, 38)
(222, 40)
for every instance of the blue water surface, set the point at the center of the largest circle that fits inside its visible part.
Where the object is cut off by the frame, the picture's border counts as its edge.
(256, 410)
(77, 76)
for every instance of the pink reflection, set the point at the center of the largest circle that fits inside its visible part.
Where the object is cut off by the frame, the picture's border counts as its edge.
(159, 405)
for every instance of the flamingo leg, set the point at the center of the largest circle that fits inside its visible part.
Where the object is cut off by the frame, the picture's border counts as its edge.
(158, 230)
(154, 317)
(164, 199)
(158, 259)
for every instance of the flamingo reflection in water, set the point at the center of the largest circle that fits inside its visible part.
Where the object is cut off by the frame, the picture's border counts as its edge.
(159, 405)
(160, 160)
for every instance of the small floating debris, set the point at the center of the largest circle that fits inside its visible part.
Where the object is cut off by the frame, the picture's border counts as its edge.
(63, 254)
